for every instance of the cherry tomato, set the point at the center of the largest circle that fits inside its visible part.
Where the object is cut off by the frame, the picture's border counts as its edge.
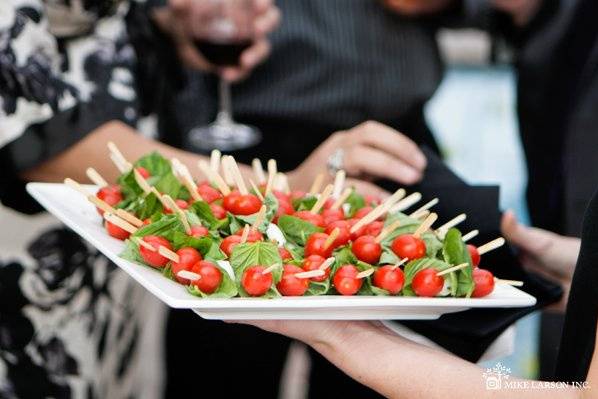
(290, 285)
(229, 243)
(143, 172)
(474, 254)
(110, 195)
(408, 246)
(187, 258)
(329, 202)
(344, 234)
(199, 231)
(313, 218)
(210, 279)
(282, 197)
(427, 283)
(284, 208)
(153, 258)
(255, 282)
(367, 250)
(313, 262)
(239, 204)
(316, 245)
(253, 236)
(345, 280)
(284, 254)
(374, 228)
(181, 204)
(362, 212)
(484, 283)
(332, 215)
(116, 232)
(389, 278)
(208, 193)
(218, 211)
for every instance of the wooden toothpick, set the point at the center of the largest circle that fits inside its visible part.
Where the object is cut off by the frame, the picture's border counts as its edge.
(175, 208)
(256, 190)
(271, 268)
(258, 171)
(442, 230)
(331, 237)
(399, 263)
(142, 182)
(144, 244)
(453, 269)
(342, 198)
(406, 202)
(379, 210)
(470, 235)
(215, 156)
(322, 199)
(118, 158)
(365, 273)
(424, 207)
(317, 184)
(245, 234)
(167, 253)
(387, 230)
(492, 245)
(339, 183)
(186, 274)
(183, 174)
(214, 177)
(123, 224)
(272, 170)
(236, 174)
(426, 224)
(327, 263)
(310, 274)
(514, 283)
(129, 217)
(96, 178)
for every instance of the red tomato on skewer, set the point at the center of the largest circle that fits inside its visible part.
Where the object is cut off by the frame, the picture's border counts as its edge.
(116, 232)
(290, 285)
(314, 218)
(484, 283)
(427, 283)
(316, 245)
(474, 254)
(208, 193)
(284, 254)
(344, 235)
(199, 231)
(389, 278)
(366, 249)
(252, 236)
(408, 246)
(332, 215)
(239, 204)
(110, 195)
(143, 172)
(188, 256)
(255, 282)
(229, 243)
(210, 276)
(345, 280)
(218, 211)
(313, 262)
(374, 228)
(153, 258)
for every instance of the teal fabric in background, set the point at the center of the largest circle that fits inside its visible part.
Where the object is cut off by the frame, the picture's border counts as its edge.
(474, 119)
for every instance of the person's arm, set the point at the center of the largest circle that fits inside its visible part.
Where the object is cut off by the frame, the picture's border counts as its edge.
(398, 368)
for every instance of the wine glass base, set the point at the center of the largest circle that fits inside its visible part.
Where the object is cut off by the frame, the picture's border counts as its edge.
(224, 136)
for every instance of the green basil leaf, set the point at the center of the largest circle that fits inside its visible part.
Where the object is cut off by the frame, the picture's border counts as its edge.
(455, 252)
(356, 201)
(131, 252)
(414, 266)
(318, 287)
(296, 230)
(204, 213)
(166, 227)
(305, 203)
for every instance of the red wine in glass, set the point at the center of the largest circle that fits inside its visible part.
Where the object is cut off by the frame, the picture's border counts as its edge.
(222, 53)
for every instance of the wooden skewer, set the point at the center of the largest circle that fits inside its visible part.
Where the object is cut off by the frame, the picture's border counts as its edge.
(272, 170)
(167, 253)
(387, 230)
(426, 224)
(142, 182)
(283, 183)
(271, 268)
(164, 203)
(186, 274)
(129, 217)
(245, 234)
(175, 208)
(399, 263)
(342, 198)
(453, 269)
(470, 235)
(76, 186)
(514, 283)
(258, 171)
(236, 174)
(123, 224)
(424, 207)
(214, 177)
(339, 183)
(331, 237)
(91, 198)
(215, 156)
(327, 263)
(322, 199)
(227, 172)
(95, 177)
(118, 158)
(144, 244)
(406, 202)
(365, 273)
(379, 210)
(256, 190)
(492, 245)
(317, 184)
(422, 215)
(259, 218)
(442, 230)
(182, 172)
(310, 274)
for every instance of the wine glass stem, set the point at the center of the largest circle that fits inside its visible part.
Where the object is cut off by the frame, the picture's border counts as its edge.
(224, 116)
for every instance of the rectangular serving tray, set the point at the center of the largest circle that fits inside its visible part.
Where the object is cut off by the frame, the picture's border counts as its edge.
(71, 208)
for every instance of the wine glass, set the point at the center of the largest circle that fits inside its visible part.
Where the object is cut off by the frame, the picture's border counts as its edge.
(224, 34)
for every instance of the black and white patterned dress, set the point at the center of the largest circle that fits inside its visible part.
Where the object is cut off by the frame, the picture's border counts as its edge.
(71, 323)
